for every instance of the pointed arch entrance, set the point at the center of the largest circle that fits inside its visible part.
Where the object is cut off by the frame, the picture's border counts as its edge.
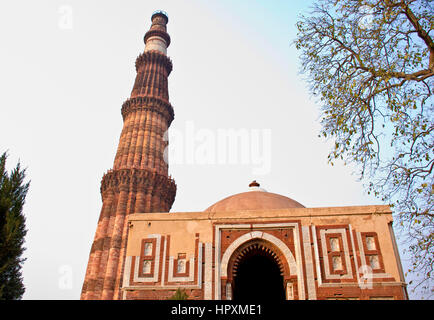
(276, 250)
(257, 273)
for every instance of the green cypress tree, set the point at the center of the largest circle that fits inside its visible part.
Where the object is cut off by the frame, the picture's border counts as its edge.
(13, 192)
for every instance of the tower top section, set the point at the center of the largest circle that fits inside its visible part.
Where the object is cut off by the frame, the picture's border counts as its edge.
(157, 38)
(160, 13)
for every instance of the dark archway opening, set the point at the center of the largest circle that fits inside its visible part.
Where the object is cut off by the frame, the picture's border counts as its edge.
(258, 278)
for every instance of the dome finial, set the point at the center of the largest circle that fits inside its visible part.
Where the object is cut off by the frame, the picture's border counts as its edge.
(254, 184)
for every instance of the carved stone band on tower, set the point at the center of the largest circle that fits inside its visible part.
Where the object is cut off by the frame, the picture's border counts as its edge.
(139, 181)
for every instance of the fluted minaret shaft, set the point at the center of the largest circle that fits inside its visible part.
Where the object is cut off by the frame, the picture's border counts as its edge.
(139, 181)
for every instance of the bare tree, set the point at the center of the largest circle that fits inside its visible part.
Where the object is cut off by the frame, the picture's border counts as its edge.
(371, 64)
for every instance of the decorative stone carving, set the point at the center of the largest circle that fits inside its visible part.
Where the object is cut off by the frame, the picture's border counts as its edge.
(374, 261)
(149, 103)
(146, 267)
(148, 249)
(134, 179)
(334, 244)
(158, 33)
(370, 243)
(228, 291)
(154, 57)
(337, 262)
(289, 291)
(180, 268)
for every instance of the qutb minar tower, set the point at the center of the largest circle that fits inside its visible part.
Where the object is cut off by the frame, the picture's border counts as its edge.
(139, 181)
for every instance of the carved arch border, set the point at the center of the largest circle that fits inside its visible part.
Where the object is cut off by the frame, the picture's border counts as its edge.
(279, 245)
(286, 252)
(258, 246)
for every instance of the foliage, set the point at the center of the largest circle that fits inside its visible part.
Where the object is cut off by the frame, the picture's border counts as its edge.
(180, 294)
(371, 64)
(13, 192)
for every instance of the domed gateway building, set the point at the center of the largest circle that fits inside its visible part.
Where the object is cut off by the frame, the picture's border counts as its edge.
(251, 245)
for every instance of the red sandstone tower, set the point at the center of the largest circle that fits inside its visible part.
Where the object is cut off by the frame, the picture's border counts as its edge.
(139, 180)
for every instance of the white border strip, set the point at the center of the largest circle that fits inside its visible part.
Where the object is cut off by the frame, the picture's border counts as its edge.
(311, 291)
(208, 272)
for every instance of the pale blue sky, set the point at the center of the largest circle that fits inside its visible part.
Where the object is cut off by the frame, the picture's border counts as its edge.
(62, 90)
